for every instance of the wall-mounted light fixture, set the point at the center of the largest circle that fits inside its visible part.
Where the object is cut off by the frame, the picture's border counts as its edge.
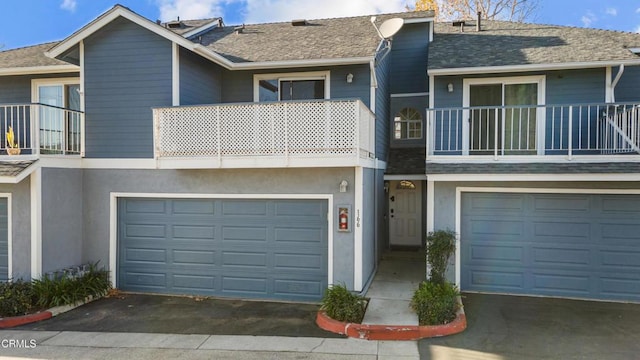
(450, 87)
(349, 78)
(343, 186)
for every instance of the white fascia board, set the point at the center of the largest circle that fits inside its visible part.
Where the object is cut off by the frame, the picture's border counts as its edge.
(532, 67)
(419, 20)
(108, 17)
(213, 23)
(300, 63)
(406, 177)
(39, 70)
(608, 177)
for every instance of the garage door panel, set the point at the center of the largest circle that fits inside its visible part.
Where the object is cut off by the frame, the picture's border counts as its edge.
(561, 231)
(146, 206)
(622, 259)
(482, 254)
(574, 245)
(509, 204)
(244, 208)
(194, 257)
(557, 283)
(489, 279)
(620, 286)
(257, 260)
(145, 231)
(490, 228)
(245, 235)
(146, 280)
(244, 285)
(616, 205)
(299, 210)
(559, 204)
(559, 256)
(195, 283)
(298, 236)
(146, 255)
(291, 287)
(190, 232)
(191, 207)
(298, 262)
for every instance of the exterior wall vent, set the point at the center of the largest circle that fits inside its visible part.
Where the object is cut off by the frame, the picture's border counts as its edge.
(299, 22)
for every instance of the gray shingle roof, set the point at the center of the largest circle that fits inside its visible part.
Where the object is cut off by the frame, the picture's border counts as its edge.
(14, 168)
(30, 56)
(502, 43)
(406, 161)
(320, 39)
(534, 168)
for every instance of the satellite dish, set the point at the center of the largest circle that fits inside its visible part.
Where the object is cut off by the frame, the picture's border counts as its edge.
(390, 27)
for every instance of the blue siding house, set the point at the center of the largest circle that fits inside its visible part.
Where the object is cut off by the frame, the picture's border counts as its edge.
(191, 157)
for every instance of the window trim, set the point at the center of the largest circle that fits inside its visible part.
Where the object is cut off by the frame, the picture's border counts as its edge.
(36, 83)
(296, 76)
(540, 80)
(408, 122)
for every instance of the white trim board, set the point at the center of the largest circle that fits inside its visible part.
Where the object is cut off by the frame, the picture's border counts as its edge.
(463, 189)
(9, 236)
(531, 67)
(32, 70)
(358, 244)
(113, 218)
(36, 223)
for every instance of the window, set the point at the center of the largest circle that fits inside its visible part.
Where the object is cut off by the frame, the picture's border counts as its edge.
(291, 86)
(56, 125)
(407, 124)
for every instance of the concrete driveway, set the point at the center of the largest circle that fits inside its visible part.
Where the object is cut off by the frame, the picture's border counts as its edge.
(510, 327)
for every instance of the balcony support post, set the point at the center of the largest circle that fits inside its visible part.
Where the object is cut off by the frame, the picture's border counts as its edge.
(570, 134)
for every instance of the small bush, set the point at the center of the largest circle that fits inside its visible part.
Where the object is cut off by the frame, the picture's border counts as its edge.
(69, 290)
(435, 304)
(440, 246)
(16, 298)
(341, 304)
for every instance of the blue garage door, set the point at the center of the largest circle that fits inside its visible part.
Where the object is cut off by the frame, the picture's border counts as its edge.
(4, 241)
(267, 249)
(568, 245)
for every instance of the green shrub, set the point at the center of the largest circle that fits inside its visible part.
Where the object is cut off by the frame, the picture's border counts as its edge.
(440, 246)
(68, 290)
(435, 303)
(16, 298)
(341, 304)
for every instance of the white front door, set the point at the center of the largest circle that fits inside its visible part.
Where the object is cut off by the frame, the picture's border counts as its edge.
(405, 213)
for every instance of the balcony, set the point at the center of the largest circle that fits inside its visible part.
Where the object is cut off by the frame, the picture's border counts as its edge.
(548, 133)
(41, 129)
(317, 133)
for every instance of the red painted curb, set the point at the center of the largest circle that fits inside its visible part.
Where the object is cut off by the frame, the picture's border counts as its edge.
(391, 332)
(13, 321)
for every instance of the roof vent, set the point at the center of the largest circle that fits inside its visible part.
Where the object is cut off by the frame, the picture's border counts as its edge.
(460, 24)
(635, 51)
(175, 24)
(299, 22)
(238, 29)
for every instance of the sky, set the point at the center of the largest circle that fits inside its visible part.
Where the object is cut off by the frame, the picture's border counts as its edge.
(30, 22)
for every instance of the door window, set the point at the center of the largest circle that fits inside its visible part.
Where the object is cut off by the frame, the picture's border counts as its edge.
(58, 126)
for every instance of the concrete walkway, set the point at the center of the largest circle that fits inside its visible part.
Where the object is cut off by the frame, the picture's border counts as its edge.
(109, 345)
(390, 293)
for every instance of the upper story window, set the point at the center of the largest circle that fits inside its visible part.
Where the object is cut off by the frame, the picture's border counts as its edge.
(407, 124)
(291, 86)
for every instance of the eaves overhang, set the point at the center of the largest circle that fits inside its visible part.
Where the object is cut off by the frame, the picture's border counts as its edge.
(530, 67)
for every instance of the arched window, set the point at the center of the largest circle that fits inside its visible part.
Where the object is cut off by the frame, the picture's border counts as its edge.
(407, 124)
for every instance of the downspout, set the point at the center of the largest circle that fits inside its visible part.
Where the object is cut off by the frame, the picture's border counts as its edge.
(615, 82)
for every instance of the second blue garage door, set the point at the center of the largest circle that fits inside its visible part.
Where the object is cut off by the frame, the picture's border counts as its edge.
(266, 249)
(568, 245)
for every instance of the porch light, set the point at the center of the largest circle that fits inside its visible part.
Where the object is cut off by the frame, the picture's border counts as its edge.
(349, 78)
(450, 87)
(343, 186)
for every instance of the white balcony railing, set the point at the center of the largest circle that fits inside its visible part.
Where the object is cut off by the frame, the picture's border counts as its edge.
(317, 129)
(546, 130)
(42, 129)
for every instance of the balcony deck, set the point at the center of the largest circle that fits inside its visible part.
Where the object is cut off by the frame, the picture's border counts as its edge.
(534, 134)
(317, 133)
